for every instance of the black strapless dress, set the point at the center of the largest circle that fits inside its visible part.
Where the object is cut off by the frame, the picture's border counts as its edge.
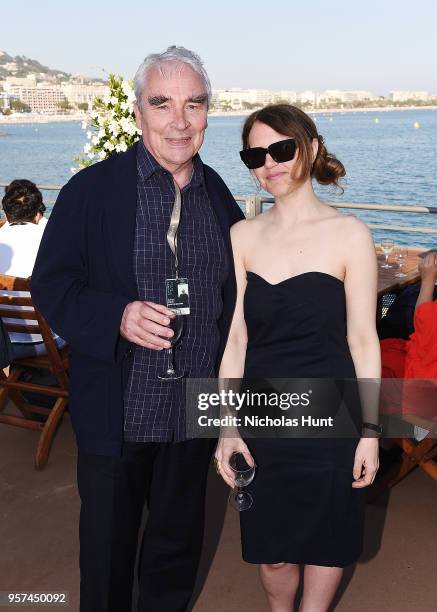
(305, 509)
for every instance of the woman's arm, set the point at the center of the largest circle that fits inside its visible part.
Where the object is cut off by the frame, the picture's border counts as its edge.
(361, 282)
(232, 364)
(428, 274)
(234, 356)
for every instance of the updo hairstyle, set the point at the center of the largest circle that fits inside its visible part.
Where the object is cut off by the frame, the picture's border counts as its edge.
(290, 121)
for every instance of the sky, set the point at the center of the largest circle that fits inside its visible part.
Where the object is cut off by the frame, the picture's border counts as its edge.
(375, 45)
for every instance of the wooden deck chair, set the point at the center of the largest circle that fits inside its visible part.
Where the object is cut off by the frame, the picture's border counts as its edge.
(56, 361)
(422, 453)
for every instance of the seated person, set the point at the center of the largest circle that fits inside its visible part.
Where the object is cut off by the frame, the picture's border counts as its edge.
(21, 234)
(20, 237)
(415, 358)
(399, 320)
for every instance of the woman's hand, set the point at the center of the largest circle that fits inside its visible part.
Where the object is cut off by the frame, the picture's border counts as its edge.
(366, 462)
(428, 268)
(223, 452)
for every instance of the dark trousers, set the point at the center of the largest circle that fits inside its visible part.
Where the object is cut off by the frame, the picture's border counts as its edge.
(171, 478)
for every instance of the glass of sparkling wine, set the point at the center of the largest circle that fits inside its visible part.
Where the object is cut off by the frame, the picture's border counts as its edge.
(244, 474)
(387, 247)
(401, 259)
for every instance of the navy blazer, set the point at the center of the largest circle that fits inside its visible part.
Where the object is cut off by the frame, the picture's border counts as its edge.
(83, 279)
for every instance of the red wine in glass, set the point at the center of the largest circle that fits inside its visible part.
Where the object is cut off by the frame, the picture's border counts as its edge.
(177, 325)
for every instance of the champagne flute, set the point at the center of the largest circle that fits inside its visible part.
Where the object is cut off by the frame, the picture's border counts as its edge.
(401, 258)
(177, 325)
(387, 247)
(244, 474)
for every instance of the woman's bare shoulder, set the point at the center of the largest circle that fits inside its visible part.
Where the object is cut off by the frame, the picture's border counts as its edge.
(348, 227)
(246, 229)
(354, 228)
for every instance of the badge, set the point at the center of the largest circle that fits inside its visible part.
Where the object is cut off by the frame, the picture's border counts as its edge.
(176, 290)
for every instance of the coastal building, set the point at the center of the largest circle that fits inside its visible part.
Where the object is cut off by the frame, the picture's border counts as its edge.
(330, 96)
(46, 92)
(28, 81)
(286, 95)
(307, 97)
(239, 99)
(404, 96)
(42, 98)
(4, 100)
(357, 96)
(82, 93)
(10, 66)
(45, 97)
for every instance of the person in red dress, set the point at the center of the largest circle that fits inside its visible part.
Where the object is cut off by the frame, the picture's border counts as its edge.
(415, 357)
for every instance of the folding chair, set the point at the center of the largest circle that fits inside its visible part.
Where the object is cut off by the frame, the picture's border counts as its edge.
(422, 453)
(56, 361)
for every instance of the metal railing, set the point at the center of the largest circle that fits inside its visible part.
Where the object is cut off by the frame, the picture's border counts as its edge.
(254, 205)
(43, 187)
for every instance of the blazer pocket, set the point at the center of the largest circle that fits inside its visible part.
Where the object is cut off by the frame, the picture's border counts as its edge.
(89, 395)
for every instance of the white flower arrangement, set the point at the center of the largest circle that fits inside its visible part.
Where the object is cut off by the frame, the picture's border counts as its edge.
(110, 125)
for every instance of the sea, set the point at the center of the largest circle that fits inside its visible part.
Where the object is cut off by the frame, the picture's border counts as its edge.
(390, 158)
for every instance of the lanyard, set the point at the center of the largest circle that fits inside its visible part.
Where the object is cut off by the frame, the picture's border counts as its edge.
(172, 232)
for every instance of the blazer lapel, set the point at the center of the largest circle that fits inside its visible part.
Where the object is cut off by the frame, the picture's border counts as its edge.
(219, 206)
(121, 216)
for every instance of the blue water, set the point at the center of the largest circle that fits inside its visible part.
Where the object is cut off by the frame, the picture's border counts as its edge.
(386, 162)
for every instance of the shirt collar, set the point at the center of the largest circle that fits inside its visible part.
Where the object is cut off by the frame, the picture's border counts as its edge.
(147, 165)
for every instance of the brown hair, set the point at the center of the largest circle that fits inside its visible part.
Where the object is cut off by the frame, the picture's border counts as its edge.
(293, 122)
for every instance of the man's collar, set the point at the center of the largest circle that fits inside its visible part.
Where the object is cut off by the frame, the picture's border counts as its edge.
(148, 165)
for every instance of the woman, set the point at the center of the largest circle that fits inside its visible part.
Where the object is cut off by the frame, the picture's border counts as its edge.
(415, 358)
(303, 270)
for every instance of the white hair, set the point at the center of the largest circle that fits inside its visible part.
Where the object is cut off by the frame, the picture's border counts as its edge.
(179, 55)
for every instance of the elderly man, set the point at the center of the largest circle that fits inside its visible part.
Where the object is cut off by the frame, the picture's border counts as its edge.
(106, 265)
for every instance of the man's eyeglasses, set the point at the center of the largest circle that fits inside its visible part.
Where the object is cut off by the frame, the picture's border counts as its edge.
(281, 151)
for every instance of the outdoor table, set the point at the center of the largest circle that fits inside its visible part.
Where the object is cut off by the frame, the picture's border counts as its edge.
(389, 284)
(387, 281)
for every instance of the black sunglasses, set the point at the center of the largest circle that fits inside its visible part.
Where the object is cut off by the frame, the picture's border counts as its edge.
(281, 151)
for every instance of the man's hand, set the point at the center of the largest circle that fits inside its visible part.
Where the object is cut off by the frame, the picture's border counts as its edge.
(145, 324)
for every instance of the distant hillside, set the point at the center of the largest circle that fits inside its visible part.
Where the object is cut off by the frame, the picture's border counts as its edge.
(21, 66)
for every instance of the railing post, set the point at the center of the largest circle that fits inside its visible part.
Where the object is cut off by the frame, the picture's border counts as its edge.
(253, 206)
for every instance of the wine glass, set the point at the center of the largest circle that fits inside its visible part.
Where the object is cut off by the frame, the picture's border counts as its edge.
(401, 259)
(244, 474)
(177, 325)
(387, 247)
